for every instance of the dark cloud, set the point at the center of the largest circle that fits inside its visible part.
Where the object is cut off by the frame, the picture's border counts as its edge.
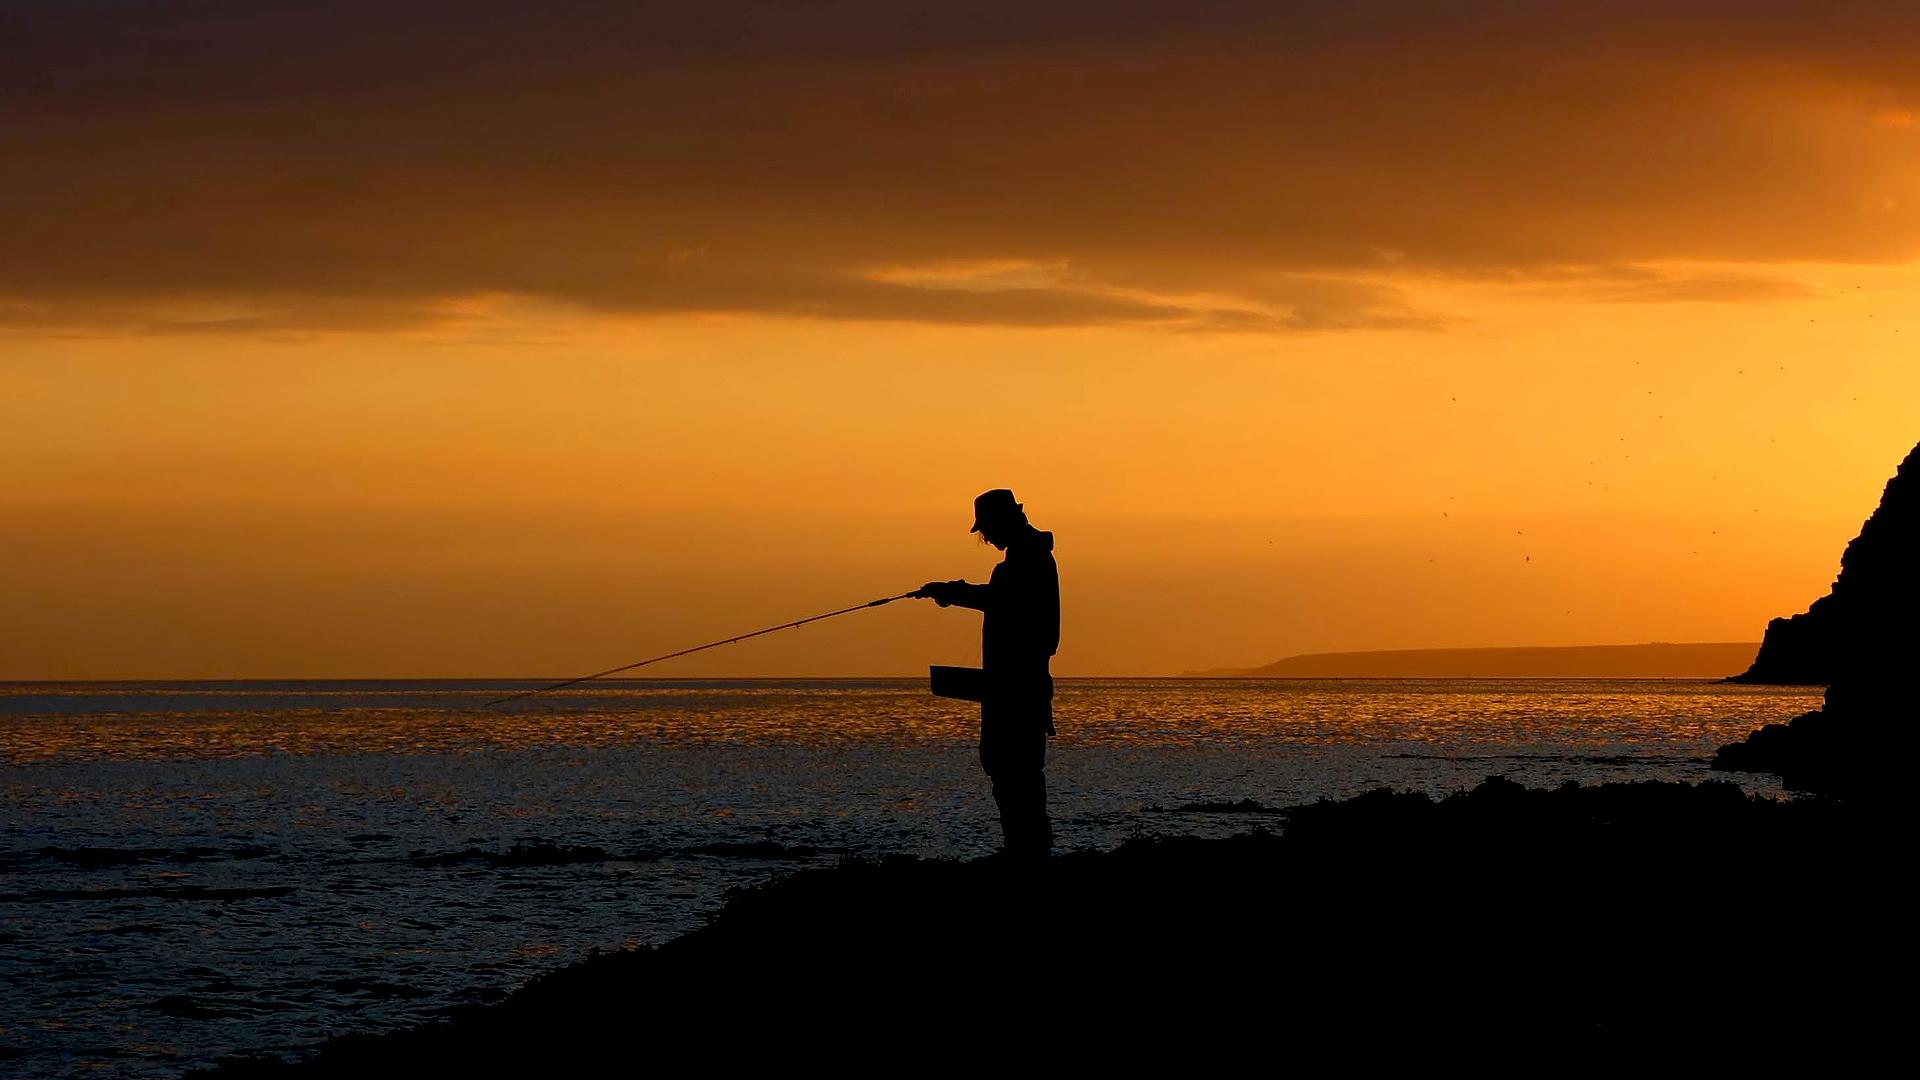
(1196, 165)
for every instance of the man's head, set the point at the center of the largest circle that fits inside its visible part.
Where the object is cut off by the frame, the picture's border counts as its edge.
(997, 517)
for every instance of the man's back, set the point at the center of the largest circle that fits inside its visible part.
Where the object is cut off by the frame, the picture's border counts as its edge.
(1021, 630)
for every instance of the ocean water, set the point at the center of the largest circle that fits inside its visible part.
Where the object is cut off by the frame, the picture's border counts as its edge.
(193, 870)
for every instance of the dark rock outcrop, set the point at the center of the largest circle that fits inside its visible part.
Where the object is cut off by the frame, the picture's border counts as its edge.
(1871, 602)
(1862, 639)
(1504, 921)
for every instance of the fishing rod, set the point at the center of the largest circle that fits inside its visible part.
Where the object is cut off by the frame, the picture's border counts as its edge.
(698, 648)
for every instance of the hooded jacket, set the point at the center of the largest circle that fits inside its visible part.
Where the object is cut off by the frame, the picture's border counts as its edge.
(1021, 602)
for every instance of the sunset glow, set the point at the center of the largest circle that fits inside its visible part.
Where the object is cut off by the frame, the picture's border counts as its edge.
(1315, 331)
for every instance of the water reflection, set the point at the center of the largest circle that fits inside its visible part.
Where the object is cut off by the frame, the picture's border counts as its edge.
(134, 721)
(198, 869)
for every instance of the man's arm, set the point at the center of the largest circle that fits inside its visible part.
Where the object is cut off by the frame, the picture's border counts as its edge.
(957, 594)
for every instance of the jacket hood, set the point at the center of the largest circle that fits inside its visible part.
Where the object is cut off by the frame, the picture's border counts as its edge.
(1038, 539)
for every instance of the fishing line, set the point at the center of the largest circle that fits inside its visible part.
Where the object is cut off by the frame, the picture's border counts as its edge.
(698, 648)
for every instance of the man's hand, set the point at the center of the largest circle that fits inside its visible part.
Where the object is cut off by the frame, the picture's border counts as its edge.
(937, 591)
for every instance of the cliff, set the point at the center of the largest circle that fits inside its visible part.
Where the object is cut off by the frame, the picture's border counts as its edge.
(1870, 600)
(1863, 639)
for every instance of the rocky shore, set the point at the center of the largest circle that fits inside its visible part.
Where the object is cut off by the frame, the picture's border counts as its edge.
(1863, 640)
(1484, 926)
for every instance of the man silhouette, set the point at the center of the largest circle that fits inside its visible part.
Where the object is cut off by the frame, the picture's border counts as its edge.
(1019, 634)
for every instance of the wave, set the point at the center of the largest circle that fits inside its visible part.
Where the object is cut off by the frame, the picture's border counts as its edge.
(1243, 806)
(537, 853)
(172, 892)
(187, 1007)
(93, 858)
(542, 853)
(760, 849)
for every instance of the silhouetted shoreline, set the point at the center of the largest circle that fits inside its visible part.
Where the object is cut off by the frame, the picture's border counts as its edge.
(1611, 917)
(1860, 639)
(1867, 615)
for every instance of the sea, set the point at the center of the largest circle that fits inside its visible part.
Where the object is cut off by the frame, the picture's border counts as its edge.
(194, 871)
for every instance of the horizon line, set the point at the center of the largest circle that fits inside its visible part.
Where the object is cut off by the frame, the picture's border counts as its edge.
(1216, 672)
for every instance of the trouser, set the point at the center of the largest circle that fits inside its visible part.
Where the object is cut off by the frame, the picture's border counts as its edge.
(1013, 751)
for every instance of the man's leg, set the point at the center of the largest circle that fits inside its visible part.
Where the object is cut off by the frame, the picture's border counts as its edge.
(1034, 747)
(1013, 750)
(1036, 829)
(997, 757)
(1020, 797)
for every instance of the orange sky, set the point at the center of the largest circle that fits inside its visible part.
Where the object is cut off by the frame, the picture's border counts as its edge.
(528, 343)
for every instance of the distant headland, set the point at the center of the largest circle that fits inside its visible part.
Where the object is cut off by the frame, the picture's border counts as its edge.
(1655, 660)
(1861, 640)
(1869, 604)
